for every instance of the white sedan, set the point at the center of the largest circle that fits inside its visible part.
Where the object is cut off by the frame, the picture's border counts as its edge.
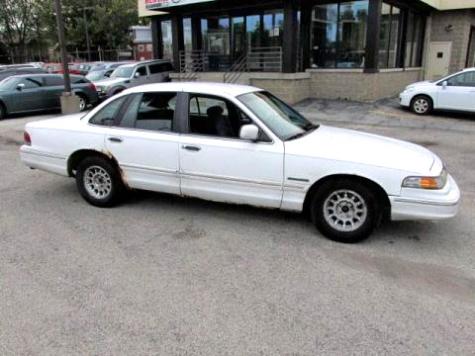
(455, 92)
(240, 144)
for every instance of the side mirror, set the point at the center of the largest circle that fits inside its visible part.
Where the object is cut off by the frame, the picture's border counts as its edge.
(136, 75)
(20, 87)
(249, 132)
(445, 84)
(107, 74)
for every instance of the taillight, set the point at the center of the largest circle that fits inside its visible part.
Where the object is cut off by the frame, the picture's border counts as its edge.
(27, 138)
(92, 87)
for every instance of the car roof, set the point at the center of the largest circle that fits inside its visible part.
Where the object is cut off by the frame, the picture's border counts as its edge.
(45, 75)
(192, 87)
(133, 64)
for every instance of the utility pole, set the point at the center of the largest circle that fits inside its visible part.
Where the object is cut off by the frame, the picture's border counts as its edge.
(69, 101)
(88, 42)
(62, 46)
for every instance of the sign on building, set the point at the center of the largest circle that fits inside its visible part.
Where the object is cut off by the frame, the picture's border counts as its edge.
(162, 4)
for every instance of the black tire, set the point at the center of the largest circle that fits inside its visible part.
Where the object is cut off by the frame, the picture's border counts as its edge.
(334, 224)
(82, 97)
(3, 112)
(117, 91)
(422, 105)
(113, 189)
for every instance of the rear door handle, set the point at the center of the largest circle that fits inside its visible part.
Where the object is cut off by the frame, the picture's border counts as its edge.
(191, 148)
(115, 139)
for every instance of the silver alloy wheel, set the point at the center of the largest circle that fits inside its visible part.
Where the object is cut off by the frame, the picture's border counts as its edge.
(82, 104)
(97, 182)
(345, 210)
(421, 105)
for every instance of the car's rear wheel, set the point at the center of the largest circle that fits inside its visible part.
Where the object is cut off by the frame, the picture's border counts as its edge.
(345, 210)
(82, 102)
(99, 182)
(3, 112)
(421, 105)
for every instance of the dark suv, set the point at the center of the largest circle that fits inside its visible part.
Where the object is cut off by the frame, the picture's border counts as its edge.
(37, 92)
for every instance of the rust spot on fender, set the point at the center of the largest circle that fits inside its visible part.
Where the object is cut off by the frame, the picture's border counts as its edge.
(123, 176)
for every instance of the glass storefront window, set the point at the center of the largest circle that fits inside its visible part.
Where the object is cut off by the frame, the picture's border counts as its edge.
(166, 27)
(187, 34)
(353, 20)
(253, 30)
(389, 36)
(414, 40)
(238, 34)
(273, 27)
(339, 35)
(324, 36)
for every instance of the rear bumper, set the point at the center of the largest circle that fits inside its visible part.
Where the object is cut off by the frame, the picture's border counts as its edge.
(418, 204)
(44, 161)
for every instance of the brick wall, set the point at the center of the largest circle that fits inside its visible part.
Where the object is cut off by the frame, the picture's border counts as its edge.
(325, 84)
(461, 21)
(359, 86)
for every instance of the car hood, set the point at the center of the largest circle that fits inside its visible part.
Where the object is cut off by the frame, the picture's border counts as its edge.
(362, 148)
(418, 84)
(109, 82)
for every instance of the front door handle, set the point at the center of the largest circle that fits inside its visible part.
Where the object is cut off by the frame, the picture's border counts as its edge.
(115, 139)
(191, 148)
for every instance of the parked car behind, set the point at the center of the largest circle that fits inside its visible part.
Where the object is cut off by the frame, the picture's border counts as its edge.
(38, 92)
(19, 71)
(134, 74)
(101, 71)
(454, 92)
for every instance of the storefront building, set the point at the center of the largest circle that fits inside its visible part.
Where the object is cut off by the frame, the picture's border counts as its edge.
(359, 50)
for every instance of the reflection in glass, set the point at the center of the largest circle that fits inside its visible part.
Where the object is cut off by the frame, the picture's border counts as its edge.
(389, 36)
(273, 28)
(352, 34)
(238, 36)
(166, 27)
(187, 34)
(324, 35)
(253, 25)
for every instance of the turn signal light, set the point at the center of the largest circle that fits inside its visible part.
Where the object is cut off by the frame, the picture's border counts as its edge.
(27, 138)
(426, 182)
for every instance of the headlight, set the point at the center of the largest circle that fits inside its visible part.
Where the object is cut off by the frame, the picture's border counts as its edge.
(432, 183)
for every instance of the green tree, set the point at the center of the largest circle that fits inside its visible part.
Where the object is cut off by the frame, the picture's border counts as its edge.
(108, 22)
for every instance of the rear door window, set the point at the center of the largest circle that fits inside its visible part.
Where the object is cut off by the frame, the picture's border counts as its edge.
(107, 116)
(53, 81)
(151, 111)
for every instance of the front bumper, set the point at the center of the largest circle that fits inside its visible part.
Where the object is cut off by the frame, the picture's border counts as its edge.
(420, 204)
(405, 99)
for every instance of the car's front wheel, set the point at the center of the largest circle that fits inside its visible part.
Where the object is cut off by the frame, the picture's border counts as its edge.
(421, 105)
(99, 182)
(345, 210)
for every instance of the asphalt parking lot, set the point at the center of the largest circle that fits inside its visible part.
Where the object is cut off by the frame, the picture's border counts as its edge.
(164, 275)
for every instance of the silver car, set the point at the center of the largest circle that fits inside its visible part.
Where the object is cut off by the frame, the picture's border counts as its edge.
(134, 74)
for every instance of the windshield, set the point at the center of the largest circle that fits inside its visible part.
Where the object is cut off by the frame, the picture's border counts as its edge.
(95, 76)
(280, 118)
(122, 72)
